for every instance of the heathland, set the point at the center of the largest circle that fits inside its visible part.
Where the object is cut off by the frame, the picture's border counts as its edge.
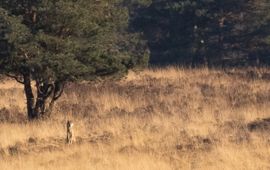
(157, 119)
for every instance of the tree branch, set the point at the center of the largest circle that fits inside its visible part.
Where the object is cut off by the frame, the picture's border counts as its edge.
(18, 79)
(49, 90)
(59, 89)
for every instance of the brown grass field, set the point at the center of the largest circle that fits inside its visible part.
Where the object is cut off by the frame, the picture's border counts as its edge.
(158, 119)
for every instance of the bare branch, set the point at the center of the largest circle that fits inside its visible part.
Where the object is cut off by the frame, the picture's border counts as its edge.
(17, 78)
(45, 90)
(38, 87)
(58, 91)
(49, 89)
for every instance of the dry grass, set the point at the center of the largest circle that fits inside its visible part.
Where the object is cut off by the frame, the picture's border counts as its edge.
(170, 118)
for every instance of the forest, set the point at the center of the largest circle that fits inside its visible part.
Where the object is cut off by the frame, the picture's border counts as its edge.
(213, 33)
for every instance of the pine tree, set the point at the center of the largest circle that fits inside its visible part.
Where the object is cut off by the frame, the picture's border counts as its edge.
(57, 41)
(4, 46)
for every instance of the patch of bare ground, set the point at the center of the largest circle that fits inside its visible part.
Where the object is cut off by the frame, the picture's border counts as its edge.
(170, 118)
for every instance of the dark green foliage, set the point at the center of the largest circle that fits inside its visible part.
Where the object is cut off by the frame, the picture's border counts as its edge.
(4, 46)
(56, 41)
(207, 32)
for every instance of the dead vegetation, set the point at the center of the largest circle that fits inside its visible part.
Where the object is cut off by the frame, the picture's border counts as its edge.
(169, 118)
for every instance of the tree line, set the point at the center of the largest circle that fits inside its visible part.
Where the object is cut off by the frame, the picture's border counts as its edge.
(204, 32)
(46, 43)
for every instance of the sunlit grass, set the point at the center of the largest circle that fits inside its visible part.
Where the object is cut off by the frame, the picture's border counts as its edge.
(163, 118)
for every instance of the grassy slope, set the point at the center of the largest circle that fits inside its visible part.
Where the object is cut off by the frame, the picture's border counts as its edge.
(159, 119)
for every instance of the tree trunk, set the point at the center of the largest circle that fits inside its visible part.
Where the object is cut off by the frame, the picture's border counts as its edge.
(40, 107)
(29, 97)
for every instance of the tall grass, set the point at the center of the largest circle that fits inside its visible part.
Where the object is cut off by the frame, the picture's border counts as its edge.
(169, 118)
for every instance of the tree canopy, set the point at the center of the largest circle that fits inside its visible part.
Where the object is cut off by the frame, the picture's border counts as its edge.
(208, 32)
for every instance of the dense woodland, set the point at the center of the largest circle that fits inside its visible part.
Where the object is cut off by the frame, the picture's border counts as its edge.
(52, 42)
(186, 32)
(204, 32)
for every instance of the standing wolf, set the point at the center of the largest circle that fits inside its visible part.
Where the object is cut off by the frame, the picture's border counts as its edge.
(69, 132)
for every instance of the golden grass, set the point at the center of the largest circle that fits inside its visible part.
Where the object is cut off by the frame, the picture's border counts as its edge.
(169, 118)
